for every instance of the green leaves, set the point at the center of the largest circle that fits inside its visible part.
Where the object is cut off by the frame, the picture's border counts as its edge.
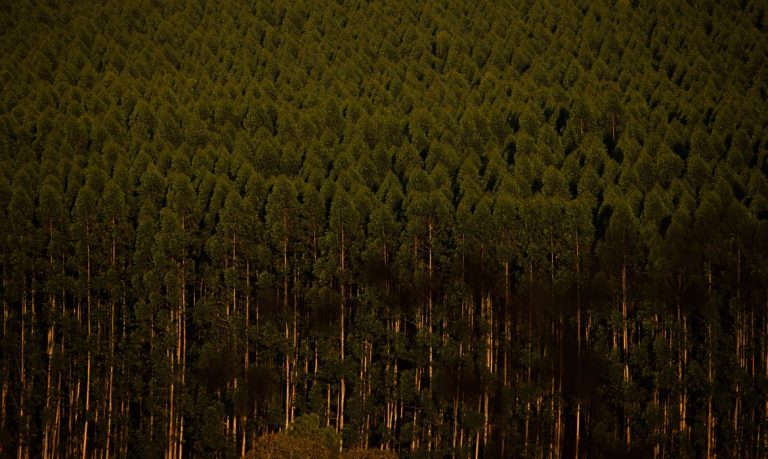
(282, 210)
(113, 206)
(202, 204)
(85, 210)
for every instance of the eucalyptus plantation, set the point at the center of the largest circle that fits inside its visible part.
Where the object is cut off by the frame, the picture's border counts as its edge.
(384, 229)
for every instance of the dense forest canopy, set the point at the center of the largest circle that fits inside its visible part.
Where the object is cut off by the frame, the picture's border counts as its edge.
(428, 229)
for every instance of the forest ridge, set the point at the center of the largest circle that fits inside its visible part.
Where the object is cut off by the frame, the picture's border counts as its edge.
(379, 229)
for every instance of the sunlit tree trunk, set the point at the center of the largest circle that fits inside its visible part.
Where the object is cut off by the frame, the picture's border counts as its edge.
(342, 311)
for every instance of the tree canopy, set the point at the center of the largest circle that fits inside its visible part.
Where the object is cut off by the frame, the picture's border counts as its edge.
(449, 229)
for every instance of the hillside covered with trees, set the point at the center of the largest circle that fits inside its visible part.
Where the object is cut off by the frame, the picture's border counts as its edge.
(437, 229)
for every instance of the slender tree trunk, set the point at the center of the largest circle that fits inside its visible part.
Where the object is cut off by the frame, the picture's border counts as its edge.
(328, 407)
(342, 311)
(578, 428)
(6, 371)
(477, 434)
(246, 343)
(57, 420)
(22, 446)
(182, 349)
(287, 361)
(429, 308)
(88, 357)
(578, 300)
(49, 351)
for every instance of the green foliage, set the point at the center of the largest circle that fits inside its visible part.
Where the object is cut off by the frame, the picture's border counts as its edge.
(308, 427)
(280, 445)
(430, 229)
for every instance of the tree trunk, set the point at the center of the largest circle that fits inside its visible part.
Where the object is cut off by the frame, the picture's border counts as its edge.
(88, 357)
(342, 311)
(287, 361)
(22, 446)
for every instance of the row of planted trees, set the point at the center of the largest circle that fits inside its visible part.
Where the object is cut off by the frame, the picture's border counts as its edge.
(446, 228)
(172, 308)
